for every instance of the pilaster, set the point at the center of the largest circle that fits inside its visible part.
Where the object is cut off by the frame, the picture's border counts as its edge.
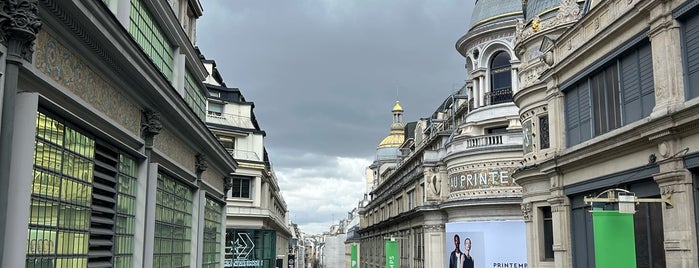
(664, 34)
(19, 24)
(679, 228)
(560, 213)
(434, 235)
(150, 127)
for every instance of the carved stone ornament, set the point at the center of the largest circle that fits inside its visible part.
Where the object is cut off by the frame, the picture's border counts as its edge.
(526, 211)
(202, 163)
(227, 184)
(19, 22)
(568, 10)
(151, 124)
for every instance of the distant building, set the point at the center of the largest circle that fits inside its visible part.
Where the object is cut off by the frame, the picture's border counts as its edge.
(453, 169)
(256, 213)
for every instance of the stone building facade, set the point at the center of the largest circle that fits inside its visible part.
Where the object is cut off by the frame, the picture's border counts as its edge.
(106, 158)
(255, 207)
(608, 92)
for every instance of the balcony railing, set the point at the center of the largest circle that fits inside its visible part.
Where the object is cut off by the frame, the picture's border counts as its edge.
(498, 96)
(495, 140)
(229, 120)
(244, 155)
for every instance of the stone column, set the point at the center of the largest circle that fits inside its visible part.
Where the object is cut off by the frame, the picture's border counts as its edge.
(17, 199)
(476, 92)
(679, 227)
(150, 126)
(560, 214)
(515, 83)
(665, 41)
(555, 108)
(19, 24)
(435, 251)
(199, 198)
(531, 230)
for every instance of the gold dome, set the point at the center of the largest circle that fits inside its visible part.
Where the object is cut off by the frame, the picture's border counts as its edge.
(393, 140)
(397, 107)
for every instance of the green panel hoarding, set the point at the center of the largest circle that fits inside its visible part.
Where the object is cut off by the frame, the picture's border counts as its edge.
(392, 254)
(614, 239)
(354, 258)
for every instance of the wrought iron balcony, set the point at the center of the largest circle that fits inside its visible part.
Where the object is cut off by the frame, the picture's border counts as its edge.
(498, 96)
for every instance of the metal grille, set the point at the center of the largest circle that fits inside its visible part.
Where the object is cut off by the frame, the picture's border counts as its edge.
(103, 216)
(544, 131)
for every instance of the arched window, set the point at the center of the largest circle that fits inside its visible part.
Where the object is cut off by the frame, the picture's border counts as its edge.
(500, 78)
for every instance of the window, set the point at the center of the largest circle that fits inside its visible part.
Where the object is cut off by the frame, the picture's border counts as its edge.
(150, 38)
(617, 94)
(497, 130)
(411, 199)
(212, 234)
(173, 223)
(544, 131)
(228, 142)
(126, 213)
(214, 93)
(73, 213)
(194, 96)
(547, 220)
(399, 204)
(500, 79)
(215, 108)
(241, 188)
(691, 49)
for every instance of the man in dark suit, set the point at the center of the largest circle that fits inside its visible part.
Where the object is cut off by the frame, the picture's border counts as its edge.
(455, 256)
(466, 259)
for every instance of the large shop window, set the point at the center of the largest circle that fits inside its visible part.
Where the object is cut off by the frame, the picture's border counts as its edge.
(617, 94)
(500, 79)
(691, 47)
(241, 188)
(250, 248)
(173, 223)
(648, 227)
(212, 234)
(82, 208)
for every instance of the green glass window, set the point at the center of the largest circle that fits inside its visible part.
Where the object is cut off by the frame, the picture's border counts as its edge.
(212, 234)
(173, 223)
(61, 195)
(61, 213)
(126, 212)
(150, 37)
(194, 96)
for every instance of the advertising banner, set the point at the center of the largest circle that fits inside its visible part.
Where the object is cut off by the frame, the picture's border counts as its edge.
(615, 244)
(354, 260)
(392, 254)
(481, 244)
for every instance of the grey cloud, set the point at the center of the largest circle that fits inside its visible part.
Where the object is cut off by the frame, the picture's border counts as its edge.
(323, 73)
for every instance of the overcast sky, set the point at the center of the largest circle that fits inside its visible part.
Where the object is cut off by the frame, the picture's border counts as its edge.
(324, 75)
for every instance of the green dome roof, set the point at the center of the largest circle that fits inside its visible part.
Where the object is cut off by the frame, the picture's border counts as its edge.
(494, 10)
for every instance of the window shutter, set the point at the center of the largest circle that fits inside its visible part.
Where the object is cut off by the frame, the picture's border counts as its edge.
(572, 117)
(645, 61)
(691, 39)
(630, 88)
(584, 109)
